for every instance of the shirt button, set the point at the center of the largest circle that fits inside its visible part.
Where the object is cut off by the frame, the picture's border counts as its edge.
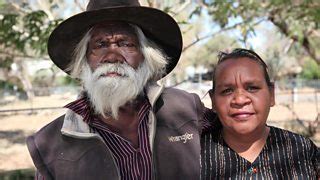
(252, 170)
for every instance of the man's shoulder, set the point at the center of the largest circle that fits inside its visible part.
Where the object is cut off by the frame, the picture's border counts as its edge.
(174, 103)
(178, 92)
(53, 126)
(43, 144)
(175, 90)
(176, 97)
(50, 132)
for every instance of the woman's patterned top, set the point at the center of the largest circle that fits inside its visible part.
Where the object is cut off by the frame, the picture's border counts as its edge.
(286, 155)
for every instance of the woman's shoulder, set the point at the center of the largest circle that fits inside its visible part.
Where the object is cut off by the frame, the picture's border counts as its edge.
(286, 136)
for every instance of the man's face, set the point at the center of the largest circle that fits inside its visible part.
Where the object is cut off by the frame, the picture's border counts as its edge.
(241, 97)
(114, 42)
(116, 72)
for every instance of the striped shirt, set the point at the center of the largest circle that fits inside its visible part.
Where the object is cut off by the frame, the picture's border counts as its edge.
(286, 155)
(133, 163)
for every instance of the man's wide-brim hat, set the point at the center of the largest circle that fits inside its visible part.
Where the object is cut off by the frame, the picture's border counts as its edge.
(157, 25)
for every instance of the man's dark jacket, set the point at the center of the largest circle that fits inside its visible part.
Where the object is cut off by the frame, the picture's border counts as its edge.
(65, 148)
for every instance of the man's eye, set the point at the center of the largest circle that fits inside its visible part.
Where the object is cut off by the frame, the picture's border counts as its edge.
(126, 44)
(100, 44)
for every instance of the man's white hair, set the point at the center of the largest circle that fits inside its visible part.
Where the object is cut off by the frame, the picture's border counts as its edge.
(107, 95)
(153, 55)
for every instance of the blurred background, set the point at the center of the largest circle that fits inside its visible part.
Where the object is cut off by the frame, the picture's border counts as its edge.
(285, 33)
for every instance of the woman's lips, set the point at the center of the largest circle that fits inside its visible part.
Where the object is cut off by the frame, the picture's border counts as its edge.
(241, 115)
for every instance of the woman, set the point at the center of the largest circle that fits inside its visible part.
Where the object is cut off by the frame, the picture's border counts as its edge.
(245, 147)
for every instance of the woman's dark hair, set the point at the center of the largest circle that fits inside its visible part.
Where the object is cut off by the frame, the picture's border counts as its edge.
(242, 53)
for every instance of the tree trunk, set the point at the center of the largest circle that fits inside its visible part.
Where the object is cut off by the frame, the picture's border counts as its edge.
(22, 75)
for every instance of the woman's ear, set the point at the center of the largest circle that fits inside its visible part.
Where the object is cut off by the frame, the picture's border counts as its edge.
(272, 95)
(213, 109)
(211, 94)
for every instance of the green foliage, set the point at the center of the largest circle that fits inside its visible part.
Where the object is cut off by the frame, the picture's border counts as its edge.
(6, 85)
(20, 174)
(311, 70)
(34, 25)
(9, 36)
(196, 12)
(29, 31)
(23, 33)
(6, 62)
(9, 85)
(66, 81)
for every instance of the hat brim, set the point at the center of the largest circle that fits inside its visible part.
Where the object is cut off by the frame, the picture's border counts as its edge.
(156, 25)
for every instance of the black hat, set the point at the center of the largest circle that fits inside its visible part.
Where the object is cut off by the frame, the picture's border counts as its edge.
(155, 24)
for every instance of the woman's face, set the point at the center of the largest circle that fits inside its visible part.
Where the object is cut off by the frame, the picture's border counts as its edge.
(241, 96)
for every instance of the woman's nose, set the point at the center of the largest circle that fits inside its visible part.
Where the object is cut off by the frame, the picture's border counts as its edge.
(240, 98)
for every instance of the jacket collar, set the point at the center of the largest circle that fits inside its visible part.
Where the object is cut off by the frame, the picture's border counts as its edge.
(74, 126)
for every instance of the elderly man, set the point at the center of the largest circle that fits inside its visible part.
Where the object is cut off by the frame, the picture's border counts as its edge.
(123, 126)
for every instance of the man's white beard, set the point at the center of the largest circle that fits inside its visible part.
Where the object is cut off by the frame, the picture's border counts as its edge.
(108, 94)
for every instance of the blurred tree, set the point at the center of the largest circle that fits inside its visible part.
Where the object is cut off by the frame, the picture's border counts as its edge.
(26, 24)
(23, 35)
(281, 56)
(206, 53)
(297, 19)
(311, 70)
(201, 39)
(24, 31)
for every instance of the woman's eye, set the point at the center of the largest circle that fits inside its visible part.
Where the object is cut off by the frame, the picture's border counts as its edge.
(252, 88)
(226, 91)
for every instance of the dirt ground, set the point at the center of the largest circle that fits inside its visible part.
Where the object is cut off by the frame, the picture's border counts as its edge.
(15, 127)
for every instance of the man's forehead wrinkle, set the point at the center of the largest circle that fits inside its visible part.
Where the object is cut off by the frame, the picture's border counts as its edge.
(113, 33)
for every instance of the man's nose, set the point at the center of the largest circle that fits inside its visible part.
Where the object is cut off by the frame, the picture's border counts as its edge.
(240, 99)
(112, 55)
